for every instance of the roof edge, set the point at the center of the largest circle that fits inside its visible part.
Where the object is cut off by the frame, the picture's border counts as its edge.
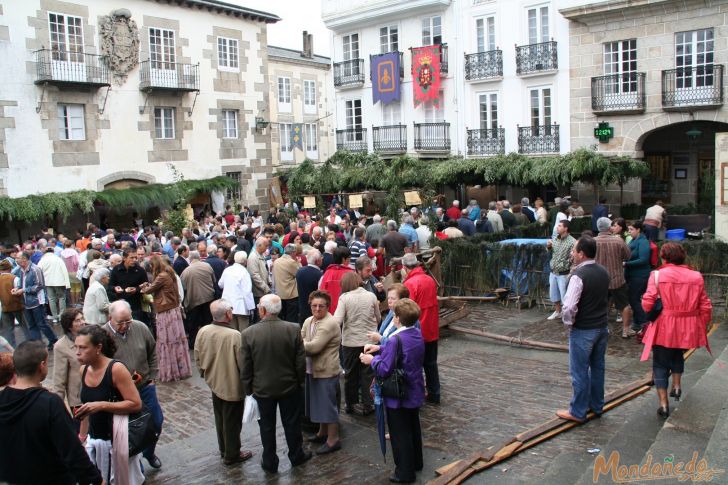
(228, 8)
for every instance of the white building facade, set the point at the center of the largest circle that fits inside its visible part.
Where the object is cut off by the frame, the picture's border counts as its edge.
(504, 77)
(105, 93)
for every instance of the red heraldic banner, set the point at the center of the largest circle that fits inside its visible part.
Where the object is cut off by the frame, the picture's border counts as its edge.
(426, 74)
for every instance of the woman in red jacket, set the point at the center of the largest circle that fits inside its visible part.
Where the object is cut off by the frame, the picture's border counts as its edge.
(681, 325)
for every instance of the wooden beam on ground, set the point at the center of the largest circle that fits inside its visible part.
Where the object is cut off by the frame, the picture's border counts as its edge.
(510, 340)
(468, 298)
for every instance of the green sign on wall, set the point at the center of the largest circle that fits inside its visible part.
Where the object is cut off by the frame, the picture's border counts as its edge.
(604, 132)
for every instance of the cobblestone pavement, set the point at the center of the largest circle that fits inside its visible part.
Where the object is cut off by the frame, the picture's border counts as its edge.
(490, 391)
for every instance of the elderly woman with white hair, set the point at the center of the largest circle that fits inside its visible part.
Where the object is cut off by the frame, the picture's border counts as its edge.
(96, 301)
(237, 288)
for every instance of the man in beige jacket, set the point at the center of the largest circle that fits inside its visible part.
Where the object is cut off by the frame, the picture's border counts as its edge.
(217, 354)
(199, 283)
(258, 270)
(284, 275)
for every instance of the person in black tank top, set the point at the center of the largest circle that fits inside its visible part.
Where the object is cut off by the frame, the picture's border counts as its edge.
(100, 423)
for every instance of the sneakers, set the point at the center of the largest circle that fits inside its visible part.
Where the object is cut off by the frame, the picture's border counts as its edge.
(554, 316)
(628, 333)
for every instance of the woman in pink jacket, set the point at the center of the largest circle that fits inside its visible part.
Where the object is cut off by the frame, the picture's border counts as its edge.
(681, 325)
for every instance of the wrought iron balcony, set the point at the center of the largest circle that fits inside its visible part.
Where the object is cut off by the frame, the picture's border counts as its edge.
(618, 93)
(349, 73)
(692, 87)
(538, 139)
(168, 76)
(484, 65)
(535, 58)
(487, 141)
(352, 139)
(390, 139)
(401, 65)
(443, 59)
(432, 137)
(64, 67)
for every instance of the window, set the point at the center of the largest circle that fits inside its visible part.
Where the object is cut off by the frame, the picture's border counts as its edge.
(432, 30)
(435, 113)
(694, 58)
(233, 193)
(351, 46)
(161, 49)
(391, 114)
(164, 123)
(286, 147)
(388, 39)
(489, 111)
(227, 54)
(309, 96)
(310, 138)
(284, 94)
(66, 37)
(229, 123)
(538, 25)
(620, 59)
(354, 120)
(70, 122)
(485, 33)
(541, 109)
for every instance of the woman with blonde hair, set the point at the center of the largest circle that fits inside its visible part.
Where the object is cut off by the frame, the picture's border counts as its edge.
(358, 314)
(174, 359)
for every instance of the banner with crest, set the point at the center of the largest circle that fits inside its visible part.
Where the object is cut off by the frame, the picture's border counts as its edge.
(426, 74)
(385, 77)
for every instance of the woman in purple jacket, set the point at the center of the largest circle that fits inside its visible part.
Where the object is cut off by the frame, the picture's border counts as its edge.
(403, 415)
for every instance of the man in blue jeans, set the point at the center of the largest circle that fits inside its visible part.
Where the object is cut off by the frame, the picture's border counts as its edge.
(32, 287)
(584, 313)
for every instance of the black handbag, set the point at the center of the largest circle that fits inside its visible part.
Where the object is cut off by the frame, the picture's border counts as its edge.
(394, 385)
(657, 308)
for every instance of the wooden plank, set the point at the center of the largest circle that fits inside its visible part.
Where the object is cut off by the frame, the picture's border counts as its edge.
(543, 428)
(456, 469)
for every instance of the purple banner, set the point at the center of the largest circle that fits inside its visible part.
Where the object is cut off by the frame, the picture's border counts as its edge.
(385, 77)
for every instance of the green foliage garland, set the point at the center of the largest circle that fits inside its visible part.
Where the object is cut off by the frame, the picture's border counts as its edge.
(36, 207)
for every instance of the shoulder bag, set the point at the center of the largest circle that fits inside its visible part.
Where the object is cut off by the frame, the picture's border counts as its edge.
(142, 430)
(657, 308)
(394, 385)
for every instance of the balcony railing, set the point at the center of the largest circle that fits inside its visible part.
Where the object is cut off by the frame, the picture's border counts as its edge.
(618, 93)
(433, 137)
(484, 65)
(487, 141)
(168, 76)
(390, 139)
(352, 139)
(64, 67)
(401, 65)
(538, 139)
(534, 58)
(693, 87)
(443, 59)
(349, 73)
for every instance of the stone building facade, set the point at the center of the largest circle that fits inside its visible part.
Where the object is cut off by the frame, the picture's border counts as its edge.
(104, 93)
(301, 92)
(653, 71)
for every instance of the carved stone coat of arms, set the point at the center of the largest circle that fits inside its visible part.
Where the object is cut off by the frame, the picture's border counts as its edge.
(120, 43)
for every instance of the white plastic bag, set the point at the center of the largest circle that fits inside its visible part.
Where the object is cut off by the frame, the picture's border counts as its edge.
(250, 412)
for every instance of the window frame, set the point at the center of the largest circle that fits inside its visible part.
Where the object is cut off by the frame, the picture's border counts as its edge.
(489, 40)
(389, 39)
(229, 60)
(544, 114)
(352, 114)
(63, 50)
(162, 122)
(389, 111)
(541, 34)
(284, 94)
(66, 129)
(286, 147)
(234, 193)
(435, 114)
(309, 128)
(309, 96)
(163, 55)
(616, 56)
(230, 132)
(491, 123)
(430, 38)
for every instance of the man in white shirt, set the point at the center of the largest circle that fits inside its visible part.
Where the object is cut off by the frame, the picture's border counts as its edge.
(237, 288)
(424, 233)
(56, 279)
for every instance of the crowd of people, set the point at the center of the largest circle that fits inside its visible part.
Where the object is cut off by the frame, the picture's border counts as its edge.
(280, 313)
(283, 310)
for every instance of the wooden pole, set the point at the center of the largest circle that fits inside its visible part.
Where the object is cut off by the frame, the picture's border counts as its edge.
(510, 340)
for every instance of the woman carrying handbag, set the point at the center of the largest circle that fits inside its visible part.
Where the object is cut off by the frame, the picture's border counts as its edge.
(681, 325)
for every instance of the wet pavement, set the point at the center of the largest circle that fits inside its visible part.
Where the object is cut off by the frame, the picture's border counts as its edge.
(490, 391)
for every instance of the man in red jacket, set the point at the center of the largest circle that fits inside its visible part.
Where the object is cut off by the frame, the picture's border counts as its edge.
(423, 290)
(331, 280)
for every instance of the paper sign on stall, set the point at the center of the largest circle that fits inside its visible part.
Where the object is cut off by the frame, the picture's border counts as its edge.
(412, 198)
(355, 201)
(309, 202)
